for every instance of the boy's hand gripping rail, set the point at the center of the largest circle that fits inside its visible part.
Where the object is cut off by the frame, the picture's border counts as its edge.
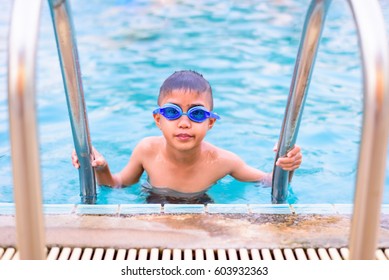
(372, 154)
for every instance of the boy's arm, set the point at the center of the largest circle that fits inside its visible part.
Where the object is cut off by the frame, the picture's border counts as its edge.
(128, 176)
(131, 173)
(102, 171)
(104, 177)
(243, 172)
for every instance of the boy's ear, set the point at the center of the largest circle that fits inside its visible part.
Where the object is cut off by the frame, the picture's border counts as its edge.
(157, 119)
(211, 122)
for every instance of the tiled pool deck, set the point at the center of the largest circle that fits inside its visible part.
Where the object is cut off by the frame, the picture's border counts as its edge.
(194, 226)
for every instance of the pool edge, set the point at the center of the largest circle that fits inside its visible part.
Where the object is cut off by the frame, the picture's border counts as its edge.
(133, 209)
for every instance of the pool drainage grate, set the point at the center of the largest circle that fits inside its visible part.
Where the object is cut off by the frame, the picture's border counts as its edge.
(67, 253)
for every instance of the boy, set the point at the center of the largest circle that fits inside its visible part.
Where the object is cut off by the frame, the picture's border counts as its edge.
(179, 163)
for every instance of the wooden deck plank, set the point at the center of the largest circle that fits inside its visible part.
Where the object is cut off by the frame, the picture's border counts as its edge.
(121, 254)
(132, 254)
(188, 254)
(278, 254)
(154, 254)
(232, 254)
(143, 254)
(244, 254)
(177, 254)
(109, 254)
(53, 253)
(379, 254)
(76, 254)
(87, 254)
(166, 254)
(300, 254)
(221, 254)
(312, 254)
(209, 254)
(255, 255)
(199, 254)
(266, 255)
(65, 254)
(344, 252)
(334, 254)
(289, 255)
(8, 254)
(16, 256)
(323, 254)
(98, 254)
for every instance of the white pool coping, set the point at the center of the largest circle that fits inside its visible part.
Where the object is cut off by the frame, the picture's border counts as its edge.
(134, 209)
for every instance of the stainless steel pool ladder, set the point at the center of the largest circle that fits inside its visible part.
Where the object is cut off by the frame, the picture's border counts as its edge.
(374, 138)
(22, 115)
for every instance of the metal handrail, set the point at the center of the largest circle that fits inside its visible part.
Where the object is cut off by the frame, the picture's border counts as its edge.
(23, 129)
(372, 154)
(306, 56)
(71, 73)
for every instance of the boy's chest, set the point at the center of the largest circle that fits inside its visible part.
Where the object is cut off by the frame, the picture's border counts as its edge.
(183, 178)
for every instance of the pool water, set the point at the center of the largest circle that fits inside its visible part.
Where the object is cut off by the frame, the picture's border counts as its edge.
(246, 49)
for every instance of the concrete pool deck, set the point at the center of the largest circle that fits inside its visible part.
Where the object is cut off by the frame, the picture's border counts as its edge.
(214, 226)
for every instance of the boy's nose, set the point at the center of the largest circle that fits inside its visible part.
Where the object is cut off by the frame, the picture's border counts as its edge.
(184, 122)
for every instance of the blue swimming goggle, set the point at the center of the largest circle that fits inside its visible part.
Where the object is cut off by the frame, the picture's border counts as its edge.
(173, 112)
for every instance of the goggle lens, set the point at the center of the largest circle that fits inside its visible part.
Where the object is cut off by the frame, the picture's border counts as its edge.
(197, 115)
(171, 113)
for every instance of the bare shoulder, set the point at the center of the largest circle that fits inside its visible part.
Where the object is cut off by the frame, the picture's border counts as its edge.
(149, 145)
(151, 141)
(221, 155)
(145, 150)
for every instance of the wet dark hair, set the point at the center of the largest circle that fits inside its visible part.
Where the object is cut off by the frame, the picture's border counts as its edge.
(186, 80)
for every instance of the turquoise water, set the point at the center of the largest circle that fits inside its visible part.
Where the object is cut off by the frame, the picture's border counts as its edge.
(246, 49)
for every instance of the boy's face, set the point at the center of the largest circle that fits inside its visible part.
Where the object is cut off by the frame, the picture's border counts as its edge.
(182, 133)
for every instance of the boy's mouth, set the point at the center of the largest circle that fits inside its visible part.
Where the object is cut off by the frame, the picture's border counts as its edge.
(184, 136)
